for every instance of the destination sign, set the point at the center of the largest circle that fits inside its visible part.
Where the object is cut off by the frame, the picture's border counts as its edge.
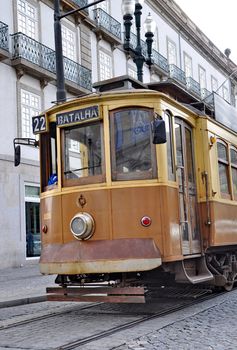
(77, 116)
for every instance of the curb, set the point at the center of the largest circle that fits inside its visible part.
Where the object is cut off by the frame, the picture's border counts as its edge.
(23, 301)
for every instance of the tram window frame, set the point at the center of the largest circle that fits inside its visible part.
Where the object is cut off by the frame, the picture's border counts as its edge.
(226, 163)
(48, 164)
(233, 165)
(131, 175)
(91, 179)
(170, 146)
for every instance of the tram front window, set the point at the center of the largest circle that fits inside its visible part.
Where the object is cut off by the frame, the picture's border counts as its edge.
(82, 154)
(132, 151)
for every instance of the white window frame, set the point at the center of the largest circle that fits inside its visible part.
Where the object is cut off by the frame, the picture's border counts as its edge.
(105, 67)
(171, 52)
(104, 5)
(29, 108)
(188, 65)
(202, 77)
(69, 43)
(132, 72)
(27, 13)
(214, 83)
(225, 93)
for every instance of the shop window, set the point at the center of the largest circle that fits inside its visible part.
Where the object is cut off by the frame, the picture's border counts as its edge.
(32, 220)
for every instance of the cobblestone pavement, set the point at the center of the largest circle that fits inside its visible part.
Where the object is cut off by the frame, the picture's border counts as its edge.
(212, 329)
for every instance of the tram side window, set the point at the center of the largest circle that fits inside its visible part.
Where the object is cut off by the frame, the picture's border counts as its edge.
(82, 154)
(132, 150)
(170, 153)
(223, 167)
(233, 157)
(48, 158)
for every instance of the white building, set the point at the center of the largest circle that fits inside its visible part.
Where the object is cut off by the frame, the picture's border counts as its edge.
(93, 50)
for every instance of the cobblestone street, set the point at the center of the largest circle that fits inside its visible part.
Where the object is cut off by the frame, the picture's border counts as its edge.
(212, 329)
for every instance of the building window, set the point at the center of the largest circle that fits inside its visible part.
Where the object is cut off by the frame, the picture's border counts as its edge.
(30, 106)
(233, 157)
(32, 219)
(223, 166)
(132, 72)
(155, 44)
(27, 19)
(171, 52)
(225, 93)
(214, 84)
(69, 43)
(104, 5)
(105, 64)
(202, 77)
(188, 66)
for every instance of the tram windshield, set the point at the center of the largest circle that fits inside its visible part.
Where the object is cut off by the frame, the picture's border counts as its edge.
(82, 153)
(133, 153)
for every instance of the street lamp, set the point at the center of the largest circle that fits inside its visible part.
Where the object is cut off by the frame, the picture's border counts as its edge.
(61, 92)
(128, 7)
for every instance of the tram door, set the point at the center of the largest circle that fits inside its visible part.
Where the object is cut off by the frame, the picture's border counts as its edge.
(187, 188)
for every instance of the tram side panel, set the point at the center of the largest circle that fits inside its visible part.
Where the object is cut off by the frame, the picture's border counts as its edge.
(220, 226)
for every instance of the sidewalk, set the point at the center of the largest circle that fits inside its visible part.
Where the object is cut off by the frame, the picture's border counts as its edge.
(23, 285)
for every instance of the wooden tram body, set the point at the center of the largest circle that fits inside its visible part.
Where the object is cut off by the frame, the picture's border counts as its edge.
(169, 206)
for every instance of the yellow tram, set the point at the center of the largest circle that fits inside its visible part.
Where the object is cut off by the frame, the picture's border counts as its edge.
(116, 208)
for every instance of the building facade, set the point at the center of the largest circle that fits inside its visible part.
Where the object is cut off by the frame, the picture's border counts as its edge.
(93, 51)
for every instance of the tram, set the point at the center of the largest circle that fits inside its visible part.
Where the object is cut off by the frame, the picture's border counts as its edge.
(135, 185)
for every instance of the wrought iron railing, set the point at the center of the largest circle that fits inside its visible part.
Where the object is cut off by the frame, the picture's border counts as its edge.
(44, 57)
(177, 73)
(25, 47)
(207, 96)
(133, 44)
(160, 60)
(77, 73)
(81, 3)
(4, 36)
(193, 86)
(104, 20)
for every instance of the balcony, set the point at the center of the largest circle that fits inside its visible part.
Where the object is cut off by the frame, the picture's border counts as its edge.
(160, 61)
(81, 3)
(39, 60)
(207, 96)
(133, 44)
(177, 74)
(107, 26)
(193, 86)
(4, 41)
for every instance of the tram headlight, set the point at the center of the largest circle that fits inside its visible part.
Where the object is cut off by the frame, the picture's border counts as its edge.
(82, 226)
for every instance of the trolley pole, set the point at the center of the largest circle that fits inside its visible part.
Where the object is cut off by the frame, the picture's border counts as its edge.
(61, 91)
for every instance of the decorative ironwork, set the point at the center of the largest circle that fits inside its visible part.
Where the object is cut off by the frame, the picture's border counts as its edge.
(4, 36)
(44, 57)
(193, 86)
(104, 20)
(160, 60)
(207, 96)
(133, 44)
(81, 3)
(77, 73)
(25, 47)
(177, 74)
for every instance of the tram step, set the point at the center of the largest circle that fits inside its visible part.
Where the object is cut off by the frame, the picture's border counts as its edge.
(193, 271)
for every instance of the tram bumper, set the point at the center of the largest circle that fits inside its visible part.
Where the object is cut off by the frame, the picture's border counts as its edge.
(84, 257)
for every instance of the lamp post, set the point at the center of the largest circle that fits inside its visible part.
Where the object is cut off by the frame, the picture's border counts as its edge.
(61, 92)
(128, 8)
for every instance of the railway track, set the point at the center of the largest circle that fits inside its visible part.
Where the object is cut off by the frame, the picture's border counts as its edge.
(124, 317)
